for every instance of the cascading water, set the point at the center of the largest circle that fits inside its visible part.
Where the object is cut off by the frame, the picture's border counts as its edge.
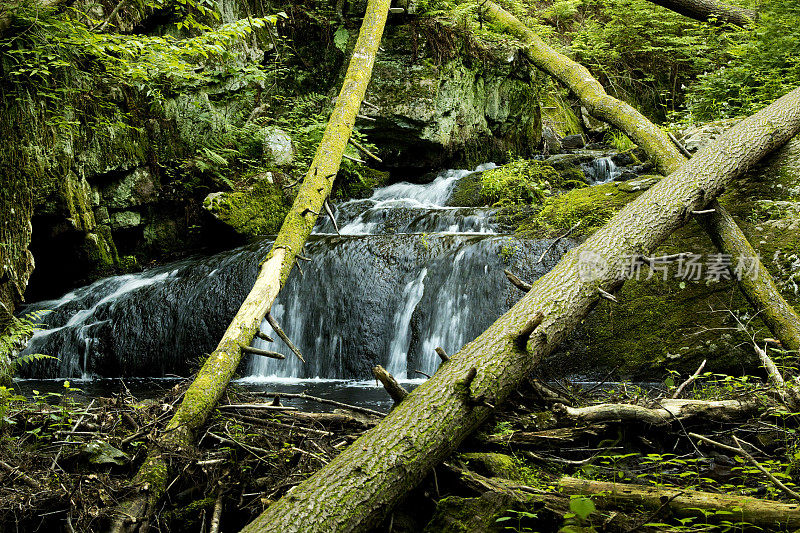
(407, 275)
(601, 170)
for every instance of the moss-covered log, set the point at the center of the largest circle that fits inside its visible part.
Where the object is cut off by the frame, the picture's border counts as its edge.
(357, 488)
(758, 286)
(204, 393)
(684, 502)
(710, 11)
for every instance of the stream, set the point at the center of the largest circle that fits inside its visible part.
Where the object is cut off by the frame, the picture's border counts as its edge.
(405, 275)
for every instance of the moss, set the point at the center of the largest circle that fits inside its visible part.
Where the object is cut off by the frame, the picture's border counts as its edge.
(253, 212)
(592, 206)
(101, 252)
(467, 192)
(558, 115)
(494, 465)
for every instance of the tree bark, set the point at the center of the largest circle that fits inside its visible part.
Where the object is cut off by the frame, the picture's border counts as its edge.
(709, 11)
(667, 411)
(684, 502)
(760, 289)
(204, 393)
(357, 488)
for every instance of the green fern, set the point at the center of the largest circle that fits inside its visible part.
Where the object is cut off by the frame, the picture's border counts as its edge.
(14, 339)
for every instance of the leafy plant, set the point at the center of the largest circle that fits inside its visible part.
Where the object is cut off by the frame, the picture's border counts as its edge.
(13, 339)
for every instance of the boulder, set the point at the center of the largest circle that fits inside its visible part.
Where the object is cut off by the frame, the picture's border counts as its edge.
(278, 148)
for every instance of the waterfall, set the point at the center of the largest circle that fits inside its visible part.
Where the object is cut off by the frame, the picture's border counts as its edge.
(601, 170)
(407, 275)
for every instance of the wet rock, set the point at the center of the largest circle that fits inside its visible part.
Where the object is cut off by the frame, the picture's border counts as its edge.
(626, 175)
(133, 189)
(572, 142)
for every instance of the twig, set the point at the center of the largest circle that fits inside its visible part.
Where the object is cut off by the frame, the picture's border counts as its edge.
(330, 214)
(365, 117)
(680, 145)
(365, 150)
(442, 354)
(607, 295)
(741, 451)
(558, 240)
(515, 281)
(284, 337)
(354, 159)
(422, 373)
(217, 513)
(74, 428)
(689, 381)
(257, 407)
(305, 396)
(110, 16)
(22, 475)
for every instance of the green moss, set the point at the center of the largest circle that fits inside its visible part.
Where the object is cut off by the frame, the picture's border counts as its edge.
(253, 212)
(592, 206)
(493, 465)
(558, 115)
(100, 251)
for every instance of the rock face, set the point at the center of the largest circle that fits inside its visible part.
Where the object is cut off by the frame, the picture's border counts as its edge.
(431, 112)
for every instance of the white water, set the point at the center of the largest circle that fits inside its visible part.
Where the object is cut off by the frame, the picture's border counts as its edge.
(398, 351)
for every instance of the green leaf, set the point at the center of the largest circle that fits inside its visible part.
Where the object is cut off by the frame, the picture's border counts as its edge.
(582, 507)
(340, 38)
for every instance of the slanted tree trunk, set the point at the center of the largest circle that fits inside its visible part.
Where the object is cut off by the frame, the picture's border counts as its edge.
(710, 11)
(757, 286)
(204, 393)
(357, 488)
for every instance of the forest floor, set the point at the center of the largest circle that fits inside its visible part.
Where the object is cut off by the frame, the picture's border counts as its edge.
(539, 464)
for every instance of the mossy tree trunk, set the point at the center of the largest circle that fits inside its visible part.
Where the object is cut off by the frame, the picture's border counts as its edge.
(759, 288)
(710, 11)
(357, 488)
(204, 393)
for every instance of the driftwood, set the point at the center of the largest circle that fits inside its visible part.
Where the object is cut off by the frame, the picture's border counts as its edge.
(684, 502)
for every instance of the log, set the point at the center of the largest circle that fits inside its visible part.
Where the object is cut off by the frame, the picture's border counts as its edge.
(684, 502)
(357, 488)
(391, 385)
(204, 393)
(667, 412)
(710, 11)
(761, 292)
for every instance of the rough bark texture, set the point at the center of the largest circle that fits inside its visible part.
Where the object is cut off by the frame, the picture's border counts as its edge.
(760, 290)
(709, 11)
(204, 393)
(358, 487)
(779, 316)
(684, 502)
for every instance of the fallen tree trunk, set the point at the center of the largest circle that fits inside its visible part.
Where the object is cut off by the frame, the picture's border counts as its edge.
(204, 393)
(357, 488)
(684, 502)
(668, 411)
(759, 289)
(710, 11)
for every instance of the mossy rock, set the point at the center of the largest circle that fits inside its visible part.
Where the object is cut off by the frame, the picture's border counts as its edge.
(591, 206)
(252, 212)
